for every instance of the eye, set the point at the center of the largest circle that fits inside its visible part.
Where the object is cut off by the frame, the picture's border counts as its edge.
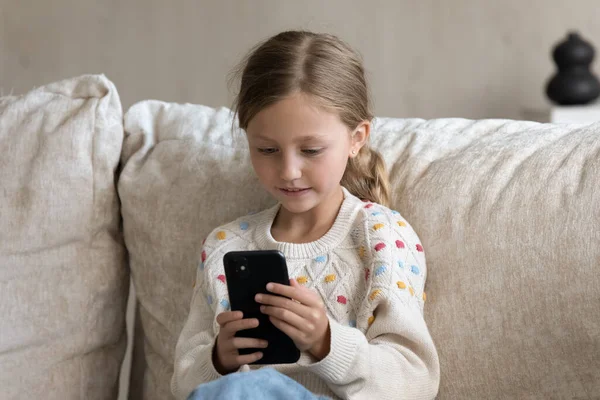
(312, 152)
(268, 150)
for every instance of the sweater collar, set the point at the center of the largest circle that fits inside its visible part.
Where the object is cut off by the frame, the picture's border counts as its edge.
(351, 205)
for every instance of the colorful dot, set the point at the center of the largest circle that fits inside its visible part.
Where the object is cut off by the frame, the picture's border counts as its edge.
(376, 213)
(395, 212)
(419, 247)
(401, 223)
(371, 319)
(369, 205)
(201, 266)
(203, 241)
(302, 280)
(424, 296)
(401, 285)
(330, 278)
(221, 235)
(374, 294)
(203, 256)
(379, 246)
(321, 259)
(367, 273)
(209, 299)
(362, 251)
(399, 244)
(244, 226)
(380, 270)
(401, 263)
(341, 300)
(225, 304)
(378, 226)
(412, 291)
(221, 278)
(414, 269)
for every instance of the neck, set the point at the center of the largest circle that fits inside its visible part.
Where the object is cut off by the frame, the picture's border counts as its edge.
(310, 225)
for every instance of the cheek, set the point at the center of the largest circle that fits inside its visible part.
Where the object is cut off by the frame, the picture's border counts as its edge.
(261, 166)
(335, 165)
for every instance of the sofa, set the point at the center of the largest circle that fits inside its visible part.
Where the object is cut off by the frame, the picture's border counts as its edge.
(92, 197)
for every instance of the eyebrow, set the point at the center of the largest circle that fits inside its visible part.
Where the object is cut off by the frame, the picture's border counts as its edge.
(302, 139)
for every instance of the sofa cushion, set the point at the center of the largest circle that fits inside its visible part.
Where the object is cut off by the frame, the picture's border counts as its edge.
(184, 174)
(63, 275)
(507, 212)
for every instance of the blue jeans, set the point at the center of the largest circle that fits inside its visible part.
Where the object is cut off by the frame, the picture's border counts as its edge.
(263, 384)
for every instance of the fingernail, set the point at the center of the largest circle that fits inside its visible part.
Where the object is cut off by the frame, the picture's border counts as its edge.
(265, 344)
(269, 286)
(258, 297)
(260, 355)
(262, 309)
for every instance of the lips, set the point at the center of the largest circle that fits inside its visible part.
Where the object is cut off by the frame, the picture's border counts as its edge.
(294, 191)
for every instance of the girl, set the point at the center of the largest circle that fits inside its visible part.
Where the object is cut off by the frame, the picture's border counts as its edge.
(358, 268)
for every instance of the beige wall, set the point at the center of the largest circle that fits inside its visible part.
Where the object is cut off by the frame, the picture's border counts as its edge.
(427, 58)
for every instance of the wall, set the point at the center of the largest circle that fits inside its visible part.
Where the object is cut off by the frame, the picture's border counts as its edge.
(429, 58)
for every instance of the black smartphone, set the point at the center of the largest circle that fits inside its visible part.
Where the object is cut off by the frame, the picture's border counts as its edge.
(248, 273)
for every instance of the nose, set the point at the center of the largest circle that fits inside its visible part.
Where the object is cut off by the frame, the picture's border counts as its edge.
(290, 168)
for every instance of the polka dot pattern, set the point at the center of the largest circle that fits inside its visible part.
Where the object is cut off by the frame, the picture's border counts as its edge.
(383, 248)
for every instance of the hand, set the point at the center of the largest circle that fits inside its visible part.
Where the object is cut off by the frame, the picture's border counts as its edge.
(226, 357)
(300, 314)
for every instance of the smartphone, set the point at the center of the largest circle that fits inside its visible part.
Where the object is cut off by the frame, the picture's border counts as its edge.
(247, 274)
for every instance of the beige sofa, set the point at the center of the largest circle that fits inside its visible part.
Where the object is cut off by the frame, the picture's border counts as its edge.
(508, 212)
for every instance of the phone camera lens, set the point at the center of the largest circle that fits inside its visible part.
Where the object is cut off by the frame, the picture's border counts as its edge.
(241, 267)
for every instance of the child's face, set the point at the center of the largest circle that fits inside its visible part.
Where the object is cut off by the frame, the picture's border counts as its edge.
(299, 151)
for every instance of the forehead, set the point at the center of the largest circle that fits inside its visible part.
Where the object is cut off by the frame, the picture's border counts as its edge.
(296, 118)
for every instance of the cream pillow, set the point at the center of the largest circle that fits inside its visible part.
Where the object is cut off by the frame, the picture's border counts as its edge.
(184, 174)
(506, 210)
(63, 276)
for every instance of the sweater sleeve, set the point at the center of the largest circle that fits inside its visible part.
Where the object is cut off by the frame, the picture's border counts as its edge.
(395, 357)
(193, 353)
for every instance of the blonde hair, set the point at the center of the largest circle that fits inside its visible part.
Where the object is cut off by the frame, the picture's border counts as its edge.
(327, 69)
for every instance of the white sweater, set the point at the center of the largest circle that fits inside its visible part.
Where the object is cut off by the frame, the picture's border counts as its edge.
(369, 269)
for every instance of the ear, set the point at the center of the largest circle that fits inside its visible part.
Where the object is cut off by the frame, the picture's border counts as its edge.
(360, 136)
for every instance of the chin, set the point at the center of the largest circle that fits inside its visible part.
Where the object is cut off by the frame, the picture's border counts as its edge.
(298, 206)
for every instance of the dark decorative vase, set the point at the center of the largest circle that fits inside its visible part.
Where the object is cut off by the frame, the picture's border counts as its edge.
(574, 83)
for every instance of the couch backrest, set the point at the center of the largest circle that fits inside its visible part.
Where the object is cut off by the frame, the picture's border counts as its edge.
(507, 212)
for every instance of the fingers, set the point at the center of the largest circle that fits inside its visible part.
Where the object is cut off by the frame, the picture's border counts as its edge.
(295, 334)
(283, 302)
(248, 343)
(239, 325)
(296, 292)
(288, 316)
(249, 358)
(228, 316)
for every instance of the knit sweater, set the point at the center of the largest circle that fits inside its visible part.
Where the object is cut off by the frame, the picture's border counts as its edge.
(369, 269)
